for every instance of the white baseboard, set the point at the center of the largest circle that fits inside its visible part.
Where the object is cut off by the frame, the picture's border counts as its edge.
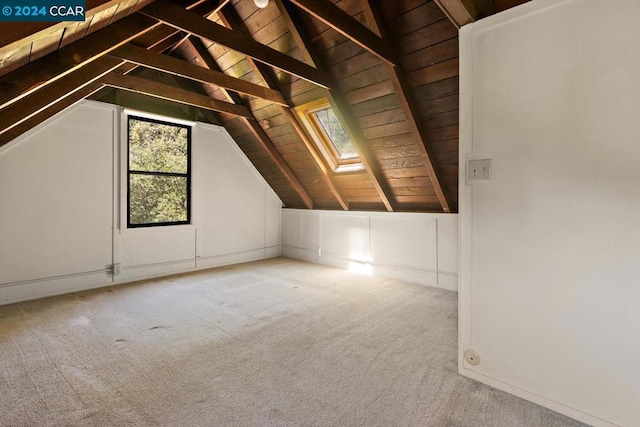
(238, 257)
(149, 271)
(537, 399)
(30, 290)
(35, 289)
(433, 278)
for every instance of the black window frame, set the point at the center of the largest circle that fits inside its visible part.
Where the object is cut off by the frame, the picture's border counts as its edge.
(130, 172)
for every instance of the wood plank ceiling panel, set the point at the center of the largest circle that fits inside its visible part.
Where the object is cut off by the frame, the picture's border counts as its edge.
(247, 140)
(342, 110)
(17, 34)
(282, 126)
(373, 98)
(347, 50)
(260, 135)
(367, 71)
(427, 43)
(173, 15)
(67, 73)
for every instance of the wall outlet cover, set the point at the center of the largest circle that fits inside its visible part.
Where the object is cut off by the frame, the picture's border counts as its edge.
(479, 169)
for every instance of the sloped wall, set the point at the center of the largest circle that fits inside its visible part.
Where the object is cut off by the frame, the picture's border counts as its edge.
(550, 245)
(63, 198)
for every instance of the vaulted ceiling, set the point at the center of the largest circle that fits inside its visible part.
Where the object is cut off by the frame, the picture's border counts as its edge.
(388, 67)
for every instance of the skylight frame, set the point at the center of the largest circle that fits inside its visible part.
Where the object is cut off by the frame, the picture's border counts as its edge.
(307, 114)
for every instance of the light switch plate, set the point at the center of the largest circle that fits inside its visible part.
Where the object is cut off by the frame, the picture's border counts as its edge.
(479, 169)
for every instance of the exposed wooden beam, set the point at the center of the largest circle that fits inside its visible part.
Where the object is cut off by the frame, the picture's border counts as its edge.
(202, 54)
(185, 69)
(345, 24)
(230, 19)
(222, 3)
(403, 91)
(171, 93)
(176, 16)
(138, 102)
(35, 75)
(29, 78)
(463, 12)
(29, 106)
(343, 111)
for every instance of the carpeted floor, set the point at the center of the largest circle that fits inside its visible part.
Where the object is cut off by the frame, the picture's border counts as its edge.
(271, 343)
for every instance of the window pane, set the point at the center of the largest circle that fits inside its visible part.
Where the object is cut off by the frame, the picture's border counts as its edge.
(336, 133)
(156, 147)
(157, 199)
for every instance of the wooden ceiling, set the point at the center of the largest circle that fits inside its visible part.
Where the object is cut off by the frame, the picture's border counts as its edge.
(389, 68)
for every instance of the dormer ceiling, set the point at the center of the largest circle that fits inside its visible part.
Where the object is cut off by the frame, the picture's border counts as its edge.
(387, 69)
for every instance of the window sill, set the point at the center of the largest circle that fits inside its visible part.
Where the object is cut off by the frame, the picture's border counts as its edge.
(354, 167)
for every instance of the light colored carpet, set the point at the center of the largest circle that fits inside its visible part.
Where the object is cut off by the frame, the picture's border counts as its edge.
(271, 343)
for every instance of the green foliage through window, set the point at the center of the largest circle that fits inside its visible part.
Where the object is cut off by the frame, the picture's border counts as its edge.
(336, 134)
(159, 173)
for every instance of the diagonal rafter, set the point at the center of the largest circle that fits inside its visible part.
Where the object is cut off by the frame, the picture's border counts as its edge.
(203, 56)
(168, 64)
(159, 43)
(37, 74)
(29, 106)
(342, 22)
(44, 87)
(52, 67)
(403, 91)
(171, 93)
(230, 19)
(176, 16)
(343, 111)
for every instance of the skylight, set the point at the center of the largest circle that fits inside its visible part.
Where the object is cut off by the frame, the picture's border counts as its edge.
(336, 134)
(330, 136)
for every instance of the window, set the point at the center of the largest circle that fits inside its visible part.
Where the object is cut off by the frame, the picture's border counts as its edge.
(158, 173)
(329, 135)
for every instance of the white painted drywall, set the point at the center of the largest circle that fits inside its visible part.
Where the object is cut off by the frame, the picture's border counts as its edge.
(420, 248)
(550, 246)
(56, 200)
(63, 198)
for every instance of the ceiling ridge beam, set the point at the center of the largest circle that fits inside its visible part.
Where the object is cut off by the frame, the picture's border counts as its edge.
(343, 111)
(178, 67)
(203, 56)
(409, 107)
(348, 26)
(172, 93)
(232, 21)
(176, 16)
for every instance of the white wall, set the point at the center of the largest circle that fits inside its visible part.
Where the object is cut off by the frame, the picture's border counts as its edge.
(550, 246)
(63, 198)
(420, 248)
